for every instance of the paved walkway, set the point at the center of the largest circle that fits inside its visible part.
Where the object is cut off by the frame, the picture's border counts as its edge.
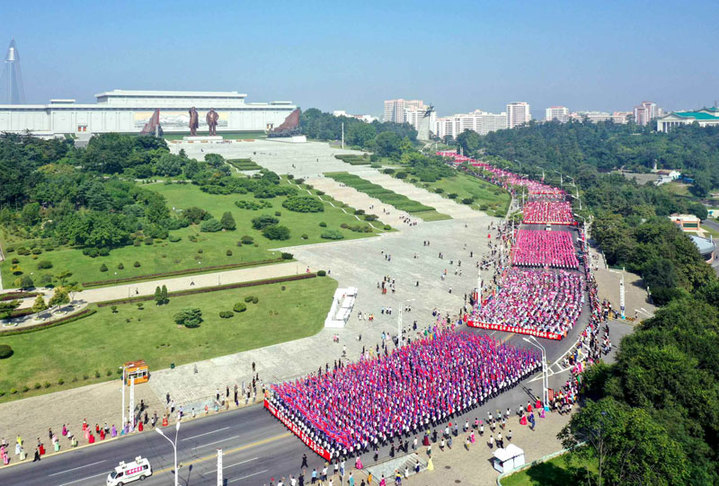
(103, 294)
(473, 466)
(441, 204)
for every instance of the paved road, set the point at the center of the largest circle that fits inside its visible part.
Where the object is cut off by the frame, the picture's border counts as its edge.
(256, 446)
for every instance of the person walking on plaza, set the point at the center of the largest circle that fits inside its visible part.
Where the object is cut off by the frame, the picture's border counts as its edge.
(37, 455)
(304, 461)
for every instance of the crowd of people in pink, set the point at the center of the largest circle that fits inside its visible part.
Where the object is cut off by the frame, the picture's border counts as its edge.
(547, 212)
(502, 177)
(546, 301)
(544, 249)
(365, 404)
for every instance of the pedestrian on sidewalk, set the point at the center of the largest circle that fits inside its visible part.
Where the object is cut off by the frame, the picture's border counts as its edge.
(304, 461)
(37, 455)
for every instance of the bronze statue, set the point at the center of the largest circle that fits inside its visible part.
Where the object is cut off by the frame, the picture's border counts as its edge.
(194, 121)
(211, 118)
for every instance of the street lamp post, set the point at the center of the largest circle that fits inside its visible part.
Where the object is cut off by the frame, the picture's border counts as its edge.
(545, 371)
(123, 395)
(174, 447)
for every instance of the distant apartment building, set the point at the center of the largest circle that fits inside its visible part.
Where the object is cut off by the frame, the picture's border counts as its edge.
(478, 121)
(620, 117)
(518, 113)
(645, 112)
(395, 110)
(559, 113)
(364, 118)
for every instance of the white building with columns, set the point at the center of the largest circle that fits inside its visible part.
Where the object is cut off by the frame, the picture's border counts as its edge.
(127, 112)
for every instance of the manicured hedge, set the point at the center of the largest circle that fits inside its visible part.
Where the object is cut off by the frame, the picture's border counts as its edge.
(215, 288)
(186, 271)
(18, 295)
(45, 325)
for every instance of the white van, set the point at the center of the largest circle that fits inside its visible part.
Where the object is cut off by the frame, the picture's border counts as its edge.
(132, 471)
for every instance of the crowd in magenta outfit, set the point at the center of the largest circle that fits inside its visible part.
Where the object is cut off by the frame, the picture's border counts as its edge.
(547, 212)
(548, 301)
(544, 249)
(367, 403)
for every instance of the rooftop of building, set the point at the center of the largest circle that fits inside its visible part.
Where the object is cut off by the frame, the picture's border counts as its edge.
(705, 245)
(129, 93)
(684, 217)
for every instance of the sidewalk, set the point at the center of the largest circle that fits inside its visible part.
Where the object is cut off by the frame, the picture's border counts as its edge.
(474, 466)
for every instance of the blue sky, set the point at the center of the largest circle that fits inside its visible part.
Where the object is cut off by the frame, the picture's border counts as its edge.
(459, 56)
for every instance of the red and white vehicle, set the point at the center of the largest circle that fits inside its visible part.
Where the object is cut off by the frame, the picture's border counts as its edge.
(139, 469)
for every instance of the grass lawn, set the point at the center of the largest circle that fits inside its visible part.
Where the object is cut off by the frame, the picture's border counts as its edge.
(226, 135)
(210, 249)
(555, 472)
(487, 197)
(399, 201)
(103, 341)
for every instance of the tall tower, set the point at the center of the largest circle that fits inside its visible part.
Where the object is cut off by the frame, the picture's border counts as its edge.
(11, 88)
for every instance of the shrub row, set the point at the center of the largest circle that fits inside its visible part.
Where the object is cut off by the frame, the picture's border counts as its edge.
(238, 285)
(18, 295)
(45, 325)
(186, 271)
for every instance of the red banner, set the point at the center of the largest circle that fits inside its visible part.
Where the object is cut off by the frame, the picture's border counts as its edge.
(517, 330)
(297, 431)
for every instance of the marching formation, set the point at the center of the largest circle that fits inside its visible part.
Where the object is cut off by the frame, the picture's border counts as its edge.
(544, 249)
(354, 408)
(547, 212)
(544, 301)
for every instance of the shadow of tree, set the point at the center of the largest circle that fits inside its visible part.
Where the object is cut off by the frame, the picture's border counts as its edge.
(550, 474)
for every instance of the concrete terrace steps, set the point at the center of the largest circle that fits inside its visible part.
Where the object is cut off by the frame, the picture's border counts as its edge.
(441, 204)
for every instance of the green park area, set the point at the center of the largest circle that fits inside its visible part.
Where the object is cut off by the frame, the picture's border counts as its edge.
(475, 192)
(90, 350)
(399, 201)
(559, 471)
(190, 248)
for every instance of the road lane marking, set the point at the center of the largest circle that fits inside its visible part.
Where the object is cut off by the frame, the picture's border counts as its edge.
(248, 476)
(206, 433)
(217, 441)
(75, 468)
(213, 457)
(243, 462)
(85, 479)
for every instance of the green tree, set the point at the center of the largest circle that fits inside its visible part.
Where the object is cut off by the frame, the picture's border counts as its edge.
(469, 142)
(276, 232)
(158, 296)
(359, 134)
(189, 317)
(227, 221)
(211, 226)
(627, 444)
(165, 296)
(388, 144)
(6, 308)
(26, 282)
(59, 297)
(39, 305)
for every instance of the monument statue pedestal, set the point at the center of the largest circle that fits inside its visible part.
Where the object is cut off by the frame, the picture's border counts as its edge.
(204, 139)
(292, 139)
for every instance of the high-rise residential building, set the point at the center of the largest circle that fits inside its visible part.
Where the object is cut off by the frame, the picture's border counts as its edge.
(394, 110)
(518, 113)
(478, 121)
(559, 113)
(645, 112)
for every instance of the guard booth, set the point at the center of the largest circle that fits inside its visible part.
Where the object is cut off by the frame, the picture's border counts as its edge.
(508, 459)
(137, 370)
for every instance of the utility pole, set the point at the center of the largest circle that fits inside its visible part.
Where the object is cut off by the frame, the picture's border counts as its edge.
(621, 294)
(131, 408)
(124, 419)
